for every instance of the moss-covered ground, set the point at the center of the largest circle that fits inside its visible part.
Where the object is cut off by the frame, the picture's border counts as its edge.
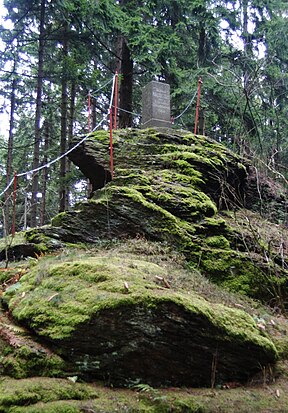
(38, 395)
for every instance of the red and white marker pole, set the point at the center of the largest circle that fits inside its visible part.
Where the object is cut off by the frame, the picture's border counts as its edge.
(197, 105)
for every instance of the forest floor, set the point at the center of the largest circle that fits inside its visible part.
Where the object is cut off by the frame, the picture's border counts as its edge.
(41, 395)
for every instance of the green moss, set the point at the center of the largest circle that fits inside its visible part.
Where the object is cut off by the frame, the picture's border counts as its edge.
(57, 220)
(61, 396)
(237, 272)
(217, 242)
(25, 362)
(26, 392)
(71, 293)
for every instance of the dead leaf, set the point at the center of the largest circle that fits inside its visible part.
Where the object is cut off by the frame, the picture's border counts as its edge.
(261, 326)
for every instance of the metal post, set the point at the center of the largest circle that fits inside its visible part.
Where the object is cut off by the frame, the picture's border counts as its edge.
(111, 143)
(197, 105)
(116, 100)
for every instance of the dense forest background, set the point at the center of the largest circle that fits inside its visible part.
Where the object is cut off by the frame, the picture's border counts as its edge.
(57, 52)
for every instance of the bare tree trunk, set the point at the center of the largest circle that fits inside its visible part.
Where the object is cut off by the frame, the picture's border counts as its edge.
(63, 141)
(37, 133)
(248, 52)
(9, 156)
(44, 173)
(126, 86)
(202, 45)
(94, 112)
(70, 131)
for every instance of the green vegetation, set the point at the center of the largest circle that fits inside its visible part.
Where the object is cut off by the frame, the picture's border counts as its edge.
(28, 392)
(61, 296)
(26, 362)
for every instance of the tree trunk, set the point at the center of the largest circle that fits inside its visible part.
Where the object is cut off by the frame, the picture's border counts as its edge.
(63, 141)
(126, 86)
(37, 133)
(44, 173)
(9, 155)
(248, 52)
(93, 112)
(202, 45)
(70, 132)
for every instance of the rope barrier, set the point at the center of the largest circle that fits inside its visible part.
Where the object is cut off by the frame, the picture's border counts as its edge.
(115, 107)
(187, 107)
(89, 110)
(102, 87)
(113, 96)
(112, 93)
(7, 187)
(48, 164)
(128, 111)
(111, 145)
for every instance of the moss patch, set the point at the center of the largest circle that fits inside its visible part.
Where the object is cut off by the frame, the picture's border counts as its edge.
(15, 393)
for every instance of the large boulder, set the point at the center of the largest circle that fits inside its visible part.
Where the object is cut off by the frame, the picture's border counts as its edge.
(188, 191)
(121, 318)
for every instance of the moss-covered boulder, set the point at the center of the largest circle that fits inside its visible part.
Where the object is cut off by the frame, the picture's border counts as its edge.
(175, 187)
(123, 319)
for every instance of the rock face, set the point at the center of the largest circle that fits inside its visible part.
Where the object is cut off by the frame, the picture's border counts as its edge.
(127, 318)
(188, 191)
(114, 318)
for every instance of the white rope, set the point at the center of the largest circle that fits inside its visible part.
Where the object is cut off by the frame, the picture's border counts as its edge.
(100, 88)
(7, 187)
(112, 92)
(187, 107)
(128, 111)
(48, 164)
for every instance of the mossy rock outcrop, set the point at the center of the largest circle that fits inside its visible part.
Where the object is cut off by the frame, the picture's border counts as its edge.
(129, 319)
(121, 319)
(175, 187)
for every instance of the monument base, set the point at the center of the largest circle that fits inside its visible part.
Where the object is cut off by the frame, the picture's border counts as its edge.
(156, 123)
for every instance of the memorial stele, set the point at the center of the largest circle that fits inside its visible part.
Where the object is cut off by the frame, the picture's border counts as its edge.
(156, 105)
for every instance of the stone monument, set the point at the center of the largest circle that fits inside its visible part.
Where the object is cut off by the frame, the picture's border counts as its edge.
(156, 105)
